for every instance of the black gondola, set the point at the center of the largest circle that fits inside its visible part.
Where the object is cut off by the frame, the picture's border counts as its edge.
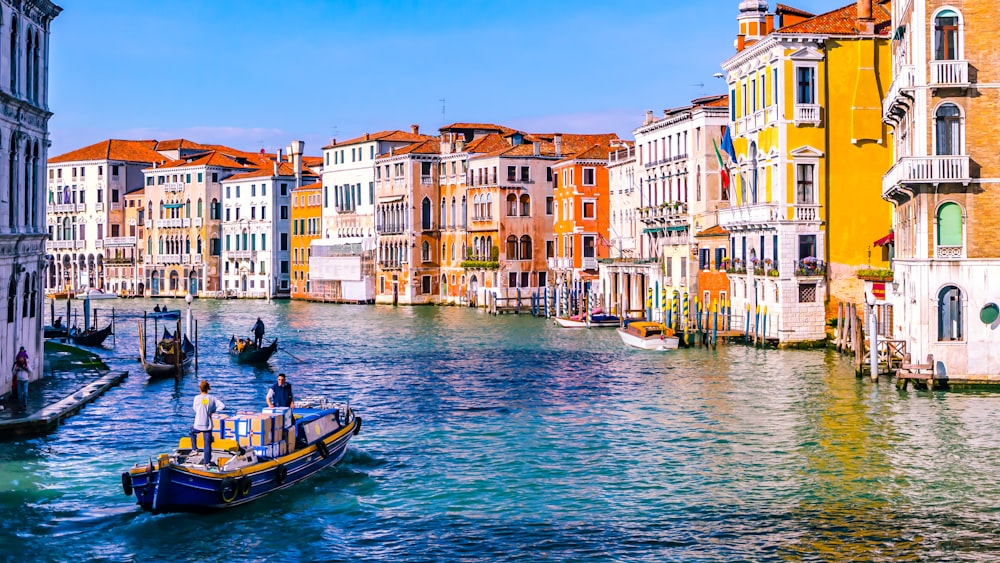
(56, 329)
(91, 337)
(166, 362)
(251, 354)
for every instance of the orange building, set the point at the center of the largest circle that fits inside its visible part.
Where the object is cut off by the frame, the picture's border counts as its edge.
(307, 223)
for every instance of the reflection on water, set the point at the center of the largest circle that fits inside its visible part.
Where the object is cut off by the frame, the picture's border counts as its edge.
(509, 439)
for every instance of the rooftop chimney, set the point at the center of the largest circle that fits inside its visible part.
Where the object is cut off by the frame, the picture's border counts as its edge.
(368, 136)
(866, 24)
(295, 149)
(557, 141)
(649, 117)
(415, 129)
(537, 147)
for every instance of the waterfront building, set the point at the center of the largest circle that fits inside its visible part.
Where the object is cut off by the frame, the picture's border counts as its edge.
(581, 221)
(256, 247)
(307, 226)
(942, 104)
(810, 149)
(87, 242)
(669, 189)
(183, 217)
(24, 141)
(343, 263)
(128, 265)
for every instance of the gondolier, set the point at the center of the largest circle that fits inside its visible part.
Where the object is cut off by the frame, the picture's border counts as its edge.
(258, 333)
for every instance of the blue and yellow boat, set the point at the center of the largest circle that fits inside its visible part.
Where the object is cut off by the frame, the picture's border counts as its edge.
(239, 474)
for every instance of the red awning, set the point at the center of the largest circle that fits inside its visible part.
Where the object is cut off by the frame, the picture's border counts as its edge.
(887, 239)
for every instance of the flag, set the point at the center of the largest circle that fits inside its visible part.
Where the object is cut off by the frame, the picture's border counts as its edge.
(723, 173)
(727, 144)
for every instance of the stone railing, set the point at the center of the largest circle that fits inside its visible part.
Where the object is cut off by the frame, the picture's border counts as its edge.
(806, 212)
(949, 252)
(807, 114)
(118, 242)
(949, 73)
(173, 187)
(927, 169)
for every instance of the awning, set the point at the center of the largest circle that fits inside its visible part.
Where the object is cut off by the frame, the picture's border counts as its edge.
(173, 205)
(677, 228)
(652, 231)
(887, 239)
(390, 199)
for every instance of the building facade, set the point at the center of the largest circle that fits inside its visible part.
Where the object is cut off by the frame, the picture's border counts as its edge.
(809, 149)
(307, 226)
(945, 183)
(24, 141)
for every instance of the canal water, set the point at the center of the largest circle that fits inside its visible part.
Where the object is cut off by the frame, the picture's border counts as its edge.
(510, 439)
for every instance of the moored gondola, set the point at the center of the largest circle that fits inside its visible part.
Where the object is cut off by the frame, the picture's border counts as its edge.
(248, 353)
(91, 337)
(167, 362)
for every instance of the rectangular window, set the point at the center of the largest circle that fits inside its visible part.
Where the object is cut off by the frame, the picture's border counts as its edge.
(589, 209)
(807, 293)
(807, 246)
(589, 246)
(804, 184)
(525, 176)
(805, 85)
(149, 180)
(263, 241)
(284, 242)
(284, 212)
(215, 245)
(668, 261)
(589, 176)
(215, 177)
(284, 267)
(201, 177)
(549, 205)
(720, 255)
(284, 190)
(774, 86)
(512, 173)
(425, 284)
(524, 279)
(550, 249)
(704, 257)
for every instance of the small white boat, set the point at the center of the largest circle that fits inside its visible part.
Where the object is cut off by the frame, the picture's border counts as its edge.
(648, 336)
(94, 293)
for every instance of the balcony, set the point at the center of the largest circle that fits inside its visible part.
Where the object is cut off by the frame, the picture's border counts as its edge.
(171, 187)
(167, 259)
(750, 215)
(99, 206)
(807, 114)
(241, 255)
(810, 267)
(174, 223)
(949, 74)
(68, 208)
(665, 212)
(897, 96)
(197, 222)
(948, 252)
(117, 206)
(119, 242)
(926, 170)
(64, 244)
(806, 212)
(590, 263)
(560, 263)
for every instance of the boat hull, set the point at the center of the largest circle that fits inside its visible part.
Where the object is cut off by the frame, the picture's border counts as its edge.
(650, 342)
(601, 322)
(253, 357)
(92, 338)
(176, 488)
(169, 315)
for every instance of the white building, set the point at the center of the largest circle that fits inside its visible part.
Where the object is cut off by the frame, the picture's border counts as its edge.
(24, 140)
(342, 267)
(85, 214)
(256, 238)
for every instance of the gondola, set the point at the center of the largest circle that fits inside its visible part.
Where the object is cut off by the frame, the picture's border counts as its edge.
(166, 362)
(251, 354)
(91, 337)
(56, 329)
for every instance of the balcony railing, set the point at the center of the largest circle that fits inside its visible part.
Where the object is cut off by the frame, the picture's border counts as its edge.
(241, 254)
(117, 206)
(949, 73)
(749, 215)
(948, 252)
(99, 206)
(173, 187)
(168, 259)
(64, 244)
(766, 267)
(560, 263)
(807, 114)
(68, 208)
(810, 267)
(903, 81)
(590, 263)
(119, 242)
(197, 222)
(174, 223)
(806, 212)
(927, 170)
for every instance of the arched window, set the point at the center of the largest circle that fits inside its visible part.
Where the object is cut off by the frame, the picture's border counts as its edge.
(199, 245)
(525, 205)
(187, 209)
(950, 314)
(464, 212)
(525, 247)
(452, 252)
(753, 173)
(199, 208)
(425, 251)
(11, 299)
(215, 211)
(425, 214)
(26, 297)
(34, 293)
(949, 225)
(512, 248)
(946, 36)
(187, 245)
(443, 218)
(948, 130)
(489, 206)
(511, 205)
(13, 54)
(454, 215)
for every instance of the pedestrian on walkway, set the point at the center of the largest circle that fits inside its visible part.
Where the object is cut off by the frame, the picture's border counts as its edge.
(22, 374)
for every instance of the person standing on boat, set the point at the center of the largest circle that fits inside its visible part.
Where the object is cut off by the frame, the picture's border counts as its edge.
(22, 374)
(258, 333)
(280, 394)
(204, 406)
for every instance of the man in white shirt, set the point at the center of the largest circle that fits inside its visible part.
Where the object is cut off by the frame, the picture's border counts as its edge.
(204, 406)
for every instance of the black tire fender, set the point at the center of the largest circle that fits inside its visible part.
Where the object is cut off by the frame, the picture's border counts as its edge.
(280, 473)
(245, 483)
(127, 483)
(357, 427)
(228, 490)
(322, 448)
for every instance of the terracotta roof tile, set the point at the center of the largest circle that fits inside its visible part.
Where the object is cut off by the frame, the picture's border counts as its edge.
(266, 170)
(113, 149)
(842, 21)
(480, 126)
(394, 135)
(487, 143)
(430, 146)
(304, 187)
(784, 9)
(713, 231)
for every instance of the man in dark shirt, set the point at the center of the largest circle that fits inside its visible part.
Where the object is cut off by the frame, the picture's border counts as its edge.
(280, 394)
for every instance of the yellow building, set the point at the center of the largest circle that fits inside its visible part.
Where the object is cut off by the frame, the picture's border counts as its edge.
(307, 224)
(810, 150)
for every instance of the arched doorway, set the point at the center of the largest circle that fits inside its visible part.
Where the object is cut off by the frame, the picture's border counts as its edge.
(193, 283)
(174, 279)
(473, 291)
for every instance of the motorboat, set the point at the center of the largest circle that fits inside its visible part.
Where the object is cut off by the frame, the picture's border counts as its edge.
(649, 336)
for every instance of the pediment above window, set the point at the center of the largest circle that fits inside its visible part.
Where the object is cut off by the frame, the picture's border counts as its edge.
(806, 54)
(806, 152)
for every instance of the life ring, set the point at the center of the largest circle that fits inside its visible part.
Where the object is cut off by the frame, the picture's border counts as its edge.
(228, 490)
(357, 427)
(322, 448)
(280, 473)
(246, 483)
(127, 483)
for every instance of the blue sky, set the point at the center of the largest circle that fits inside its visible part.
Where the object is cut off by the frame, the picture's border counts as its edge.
(253, 74)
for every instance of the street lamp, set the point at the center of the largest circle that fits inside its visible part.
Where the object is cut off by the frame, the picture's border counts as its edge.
(872, 335)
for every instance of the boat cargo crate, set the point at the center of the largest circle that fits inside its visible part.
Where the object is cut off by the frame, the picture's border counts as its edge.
(219, 427)
(276, 449)
(290, 437)
(285, 413)
(316, 429)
